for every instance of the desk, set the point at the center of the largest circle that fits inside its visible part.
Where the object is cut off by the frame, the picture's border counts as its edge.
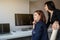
(16, 34)
(19, 34)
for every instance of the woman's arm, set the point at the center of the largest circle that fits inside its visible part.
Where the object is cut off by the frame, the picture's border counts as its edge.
(55, 28)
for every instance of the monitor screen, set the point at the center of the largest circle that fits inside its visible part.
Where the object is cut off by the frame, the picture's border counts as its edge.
(23, 19)
(4, 28)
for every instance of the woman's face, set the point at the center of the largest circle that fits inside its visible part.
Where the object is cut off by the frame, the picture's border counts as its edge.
(36, 16)
(46, 7)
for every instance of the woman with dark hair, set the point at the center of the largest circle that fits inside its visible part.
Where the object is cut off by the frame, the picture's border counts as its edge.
(39, 26)
(53, 16)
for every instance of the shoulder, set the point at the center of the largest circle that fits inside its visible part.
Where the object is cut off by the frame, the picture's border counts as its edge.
(57, 11)
(41, 24)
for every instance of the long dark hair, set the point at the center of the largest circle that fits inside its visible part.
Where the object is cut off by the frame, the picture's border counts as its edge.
(51, 5)
(41, 13)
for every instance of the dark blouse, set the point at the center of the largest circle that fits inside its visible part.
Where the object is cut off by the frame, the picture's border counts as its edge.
(40, 31)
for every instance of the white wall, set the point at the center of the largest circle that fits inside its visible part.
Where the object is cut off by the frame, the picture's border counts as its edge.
(57, 3)
(8, 8)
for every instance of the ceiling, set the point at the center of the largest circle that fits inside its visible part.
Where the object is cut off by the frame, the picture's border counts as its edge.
(32, 0)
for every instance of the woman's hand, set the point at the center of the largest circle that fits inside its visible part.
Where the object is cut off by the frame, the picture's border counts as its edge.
(55, 25)
(34, 24)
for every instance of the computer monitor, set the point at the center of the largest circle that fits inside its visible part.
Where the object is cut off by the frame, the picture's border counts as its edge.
(4, 28)
(23, 19)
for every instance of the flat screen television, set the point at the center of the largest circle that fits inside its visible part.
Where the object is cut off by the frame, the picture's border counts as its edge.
(23, 19)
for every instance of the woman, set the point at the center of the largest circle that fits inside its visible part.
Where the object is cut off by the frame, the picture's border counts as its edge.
(53, 19)
(40, 29)
(53, 13)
